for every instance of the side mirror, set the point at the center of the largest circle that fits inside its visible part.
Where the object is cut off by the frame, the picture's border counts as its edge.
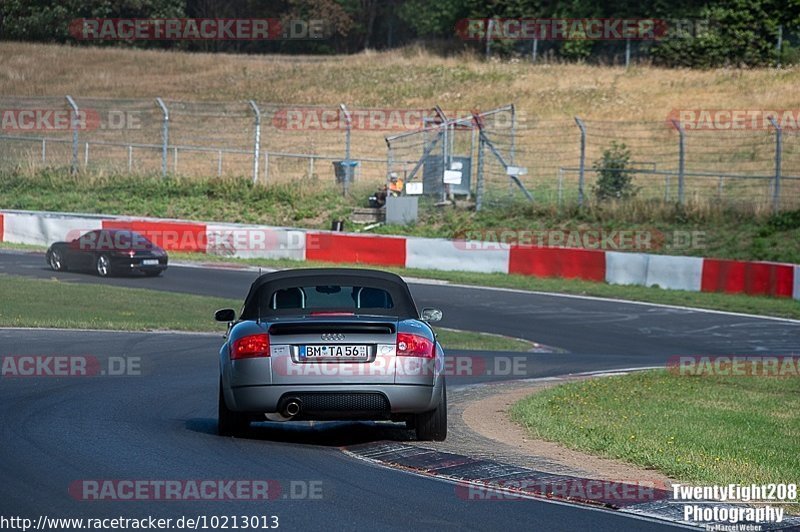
(431, 314)
(225, 314)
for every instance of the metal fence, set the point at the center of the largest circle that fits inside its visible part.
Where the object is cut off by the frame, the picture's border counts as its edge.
(755, 167)
(504, 154)
(500, 155)
(267, 142)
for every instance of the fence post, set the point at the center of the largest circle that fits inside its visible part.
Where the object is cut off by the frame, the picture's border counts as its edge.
(389, 157)
(779, 45)
(256, 141)
(472, 141)
(582, 165)
(627, 53)
(348, 168)
(681, 158)
(480, 184)
(776, 189)
(164, 136)
(445, 145)
(44, 150)
(489, 26)
(513, 134)
(74, 127)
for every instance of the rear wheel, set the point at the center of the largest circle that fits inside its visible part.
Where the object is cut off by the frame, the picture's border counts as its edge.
(432, 426)
(230, 423)
(56, 260)
(102, 265)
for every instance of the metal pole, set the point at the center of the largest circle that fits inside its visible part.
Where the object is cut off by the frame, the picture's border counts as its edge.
(74, 126)
(513, 145)
(681, 158)
(480, 184)
(776, 189)
(44, 151)
(311, 167)
(164, 136)
(489, 27)
(560, 185)
(85, 155)
(219, 163)
(130, 158)
(779, 45)
(445, 157)
(175, 160)
(535, 50)
(257, 140)
(627, 52)
(472, 154)
(389, 157)
(513, 133)
(582, 167)
(348, 170)
(266, 166)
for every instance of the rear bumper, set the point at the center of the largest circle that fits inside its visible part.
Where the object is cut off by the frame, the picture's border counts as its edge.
(137, 266)
(402, 398)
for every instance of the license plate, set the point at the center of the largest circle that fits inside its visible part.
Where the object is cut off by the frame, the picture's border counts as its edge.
(351, 352)
(150, 262)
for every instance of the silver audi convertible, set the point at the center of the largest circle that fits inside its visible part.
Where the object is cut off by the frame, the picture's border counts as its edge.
(331, 344)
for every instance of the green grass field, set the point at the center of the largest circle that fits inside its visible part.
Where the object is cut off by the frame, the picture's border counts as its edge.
(703, 429)
(51, 303)
(764, 306)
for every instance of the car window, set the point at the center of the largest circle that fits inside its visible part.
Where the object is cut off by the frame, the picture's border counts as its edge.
(330, 298)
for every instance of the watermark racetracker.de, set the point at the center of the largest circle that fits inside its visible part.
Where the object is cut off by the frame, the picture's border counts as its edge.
(69, 366)
(197, 29)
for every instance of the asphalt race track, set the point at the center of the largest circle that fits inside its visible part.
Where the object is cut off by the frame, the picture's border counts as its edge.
(161, 424)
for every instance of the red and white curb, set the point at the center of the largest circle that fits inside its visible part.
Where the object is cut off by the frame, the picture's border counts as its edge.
(696, 274)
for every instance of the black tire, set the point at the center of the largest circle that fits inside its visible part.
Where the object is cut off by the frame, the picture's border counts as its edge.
(230, 423)
(102, 265)
(56, 260)
(432, 426)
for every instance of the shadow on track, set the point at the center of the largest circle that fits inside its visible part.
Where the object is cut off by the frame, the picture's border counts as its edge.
(320, 433)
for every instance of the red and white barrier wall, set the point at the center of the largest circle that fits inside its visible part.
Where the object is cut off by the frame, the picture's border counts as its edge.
(253, 241)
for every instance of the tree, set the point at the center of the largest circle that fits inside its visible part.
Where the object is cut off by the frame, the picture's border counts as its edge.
(614, 177)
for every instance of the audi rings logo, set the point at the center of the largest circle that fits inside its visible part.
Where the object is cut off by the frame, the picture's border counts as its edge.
(329, 337)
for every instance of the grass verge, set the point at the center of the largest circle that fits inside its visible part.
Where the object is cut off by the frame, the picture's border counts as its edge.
(51, 303)
(758, 305)
(702, 429)
(711, 231)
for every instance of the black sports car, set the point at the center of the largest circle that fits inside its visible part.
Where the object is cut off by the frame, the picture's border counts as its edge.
(108, 251)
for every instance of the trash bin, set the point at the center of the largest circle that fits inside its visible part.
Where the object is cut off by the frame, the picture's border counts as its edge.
(340, 170)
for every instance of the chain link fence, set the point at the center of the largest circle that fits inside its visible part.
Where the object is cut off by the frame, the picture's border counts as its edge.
(486, 158)
(266, 142)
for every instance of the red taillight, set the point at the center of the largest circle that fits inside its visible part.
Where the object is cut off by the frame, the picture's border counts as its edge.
(256, 345)
(414, 345)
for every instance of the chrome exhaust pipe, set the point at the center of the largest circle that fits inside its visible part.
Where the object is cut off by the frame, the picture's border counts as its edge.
(292, 408)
